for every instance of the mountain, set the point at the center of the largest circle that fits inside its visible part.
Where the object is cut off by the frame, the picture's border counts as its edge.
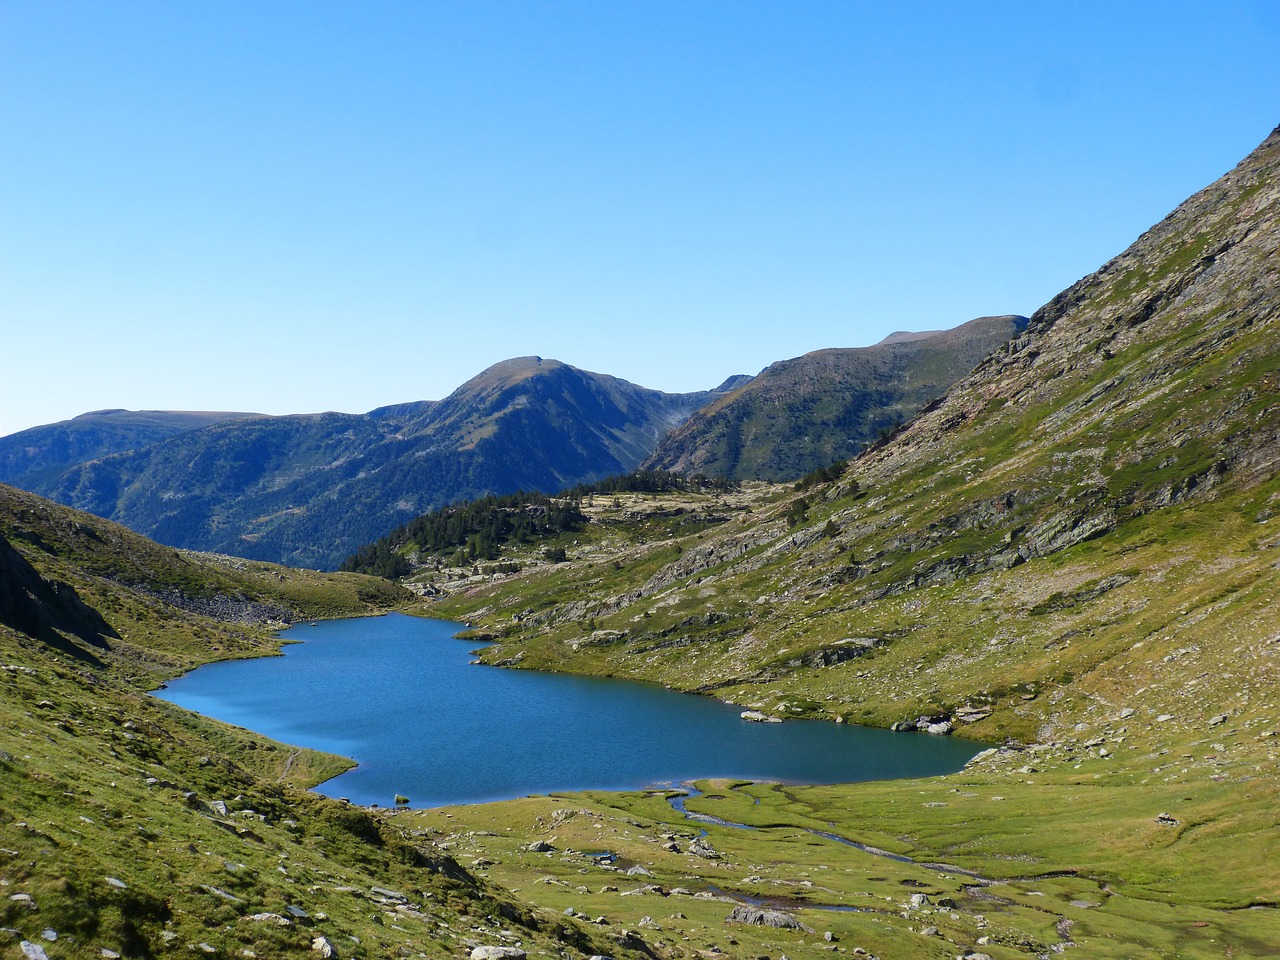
(132, 828)
(309, 489)
(1073, 557)
(30, 456)
(801, 414)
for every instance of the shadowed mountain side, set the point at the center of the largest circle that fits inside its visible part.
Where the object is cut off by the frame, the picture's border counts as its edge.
(805, 413)
(47, 610)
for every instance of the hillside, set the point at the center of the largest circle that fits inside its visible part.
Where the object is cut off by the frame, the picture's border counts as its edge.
(29, 456)
(801, 414)
(1072, 555)
(131, 828)
(309, 489)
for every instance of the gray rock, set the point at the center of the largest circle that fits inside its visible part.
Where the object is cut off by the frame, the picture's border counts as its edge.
(275, 918)
(497, 953)
(756, 716)
(33, 951)
(324, 947)
(539, 846)
(766, 918)
(700, 848)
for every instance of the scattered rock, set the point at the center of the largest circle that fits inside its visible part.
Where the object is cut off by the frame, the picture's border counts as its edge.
(33, 951)
(1167, 820)
(324, 947)
(539, 846)
(756, 716)
(929, 932)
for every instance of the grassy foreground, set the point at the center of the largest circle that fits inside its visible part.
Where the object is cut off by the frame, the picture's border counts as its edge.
(131, 828)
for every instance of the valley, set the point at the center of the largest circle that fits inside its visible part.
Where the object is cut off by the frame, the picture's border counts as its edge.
(1071, 554)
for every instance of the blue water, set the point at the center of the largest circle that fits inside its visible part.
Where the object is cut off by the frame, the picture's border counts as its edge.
(399, 695)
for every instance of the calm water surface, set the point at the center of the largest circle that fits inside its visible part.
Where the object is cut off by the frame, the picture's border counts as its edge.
(399, 695)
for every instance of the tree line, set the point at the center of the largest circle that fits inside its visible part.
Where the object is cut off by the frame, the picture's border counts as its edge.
(477, 530)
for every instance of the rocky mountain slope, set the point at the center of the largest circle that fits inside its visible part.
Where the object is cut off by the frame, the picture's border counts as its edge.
(30, 456)
(1071, 555)
(801, 414)
(130, 828)
(309, 489)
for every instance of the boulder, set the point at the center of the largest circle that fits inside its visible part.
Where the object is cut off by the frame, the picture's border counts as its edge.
(765, 918)
(497, 953)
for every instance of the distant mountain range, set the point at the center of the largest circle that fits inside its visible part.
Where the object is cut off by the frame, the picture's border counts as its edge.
(307, 490)
(38, 455)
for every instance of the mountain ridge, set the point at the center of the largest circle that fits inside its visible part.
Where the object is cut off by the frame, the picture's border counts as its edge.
(309, 489)
(806, 412)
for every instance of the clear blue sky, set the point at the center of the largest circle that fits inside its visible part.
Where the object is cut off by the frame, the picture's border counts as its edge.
(293, 207)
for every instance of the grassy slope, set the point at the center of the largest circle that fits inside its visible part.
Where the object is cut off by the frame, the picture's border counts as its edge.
(1079, 544)
(129, 825)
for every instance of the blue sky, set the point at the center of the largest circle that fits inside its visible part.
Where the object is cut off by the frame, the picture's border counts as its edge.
(296, 207)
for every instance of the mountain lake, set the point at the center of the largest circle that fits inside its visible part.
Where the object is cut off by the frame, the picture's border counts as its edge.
(400, 696)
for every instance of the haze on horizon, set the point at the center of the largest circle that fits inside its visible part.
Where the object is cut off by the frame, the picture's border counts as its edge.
(306, 207)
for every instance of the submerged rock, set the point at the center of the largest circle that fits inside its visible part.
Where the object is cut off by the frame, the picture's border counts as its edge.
(756, 716)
